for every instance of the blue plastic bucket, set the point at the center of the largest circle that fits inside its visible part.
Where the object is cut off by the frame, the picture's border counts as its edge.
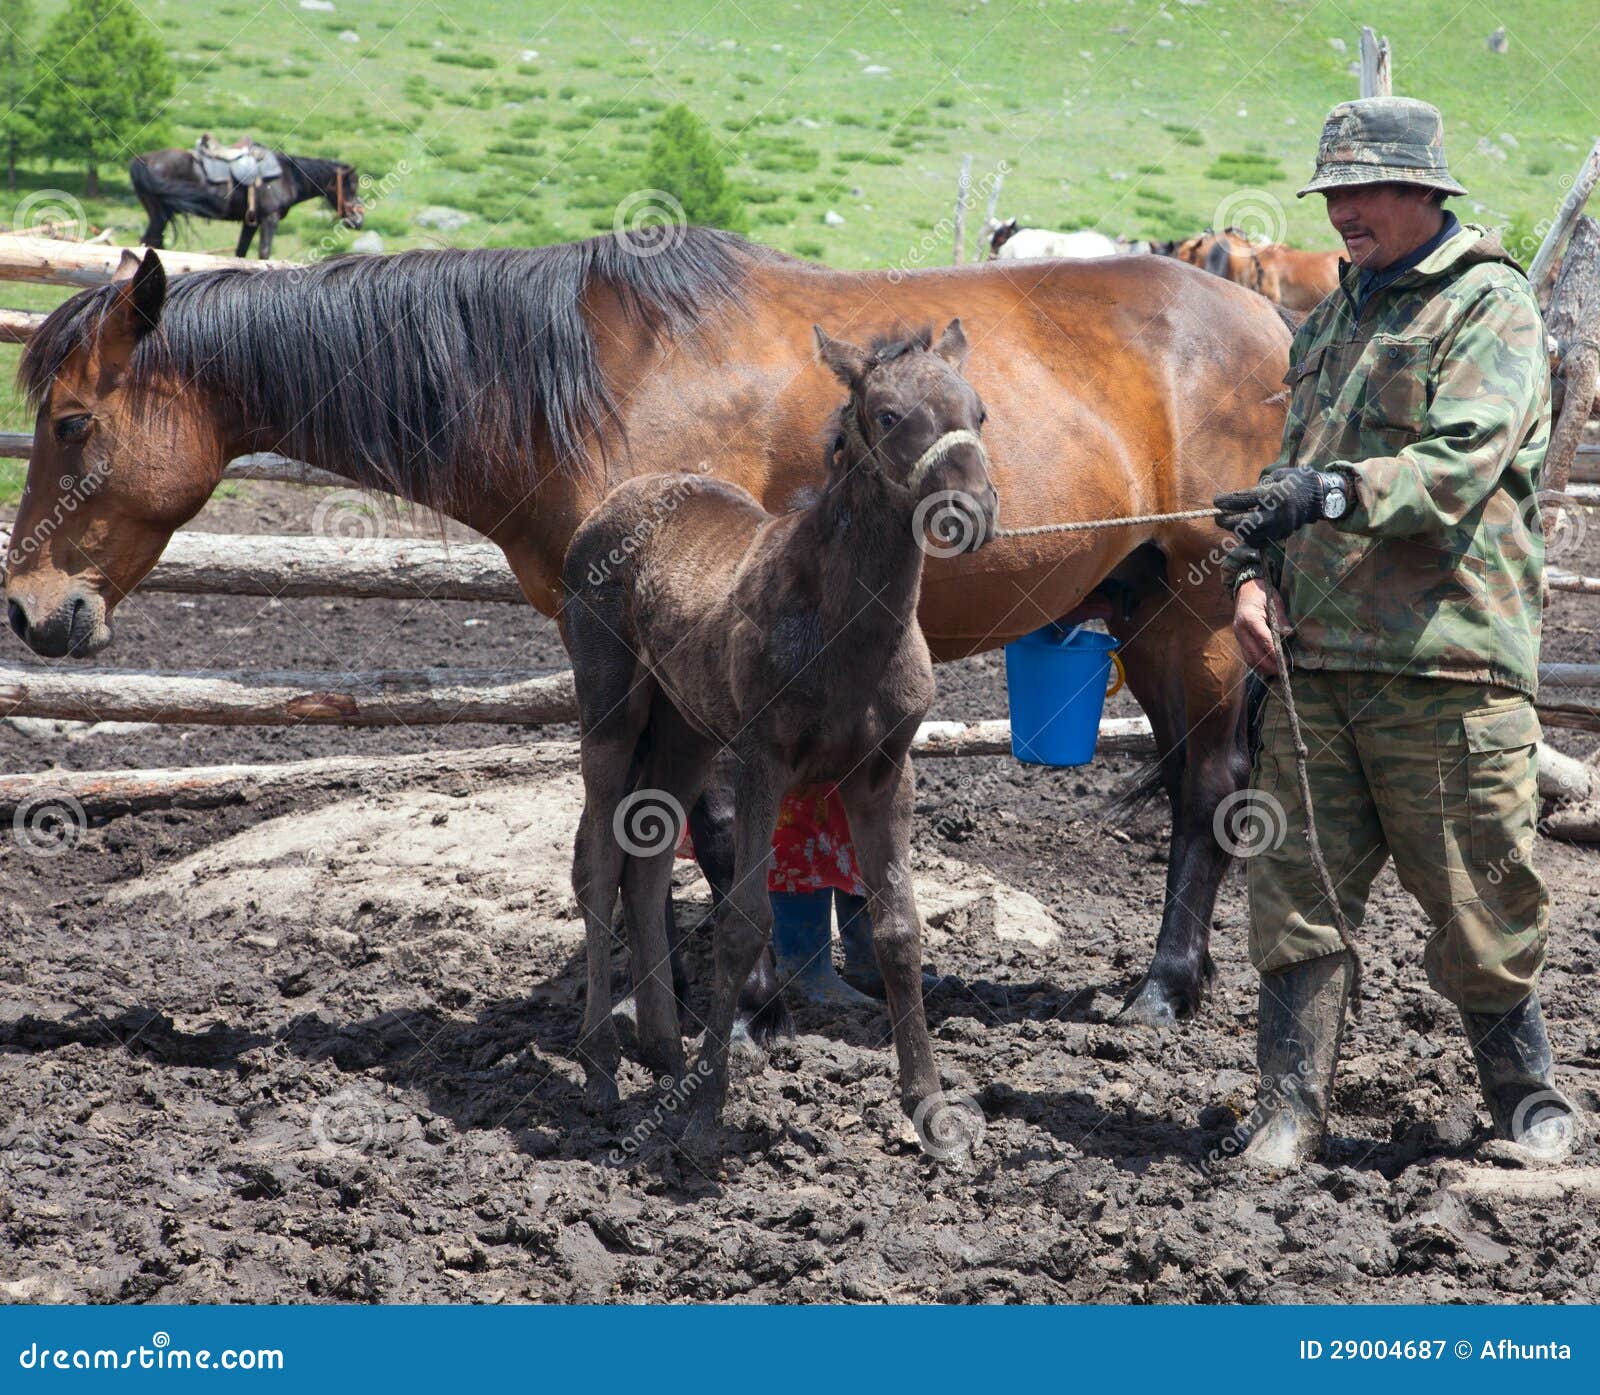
(1056, 683)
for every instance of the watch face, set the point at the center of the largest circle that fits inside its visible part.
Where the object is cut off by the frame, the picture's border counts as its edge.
(1333, 503)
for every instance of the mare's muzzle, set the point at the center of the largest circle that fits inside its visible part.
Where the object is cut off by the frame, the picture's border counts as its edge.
(75, 628)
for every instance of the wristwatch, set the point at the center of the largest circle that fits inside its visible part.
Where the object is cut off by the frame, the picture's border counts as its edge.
(1336, 494)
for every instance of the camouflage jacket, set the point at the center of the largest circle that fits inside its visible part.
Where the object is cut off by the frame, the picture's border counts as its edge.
(1437, 399)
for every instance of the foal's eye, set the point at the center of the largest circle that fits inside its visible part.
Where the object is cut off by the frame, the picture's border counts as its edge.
(74, 428)
(888, 420)
(983, 415)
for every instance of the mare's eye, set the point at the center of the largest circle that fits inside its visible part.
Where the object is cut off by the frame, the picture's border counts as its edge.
(888, 420)
(74, 428)
(983, 415)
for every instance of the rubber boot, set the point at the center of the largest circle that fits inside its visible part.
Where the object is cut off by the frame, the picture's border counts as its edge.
(855, 934)
(802, 941)
(1299, 1026)
(1515, 1072)
(860, 958)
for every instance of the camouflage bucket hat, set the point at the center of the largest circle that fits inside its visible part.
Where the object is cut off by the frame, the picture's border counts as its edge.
(1382, 140)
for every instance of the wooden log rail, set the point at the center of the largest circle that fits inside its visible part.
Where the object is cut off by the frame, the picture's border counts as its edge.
(106, 792)
(283, 565)
(85, 264)
(384, 697)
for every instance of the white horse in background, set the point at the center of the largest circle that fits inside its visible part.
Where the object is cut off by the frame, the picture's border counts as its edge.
(1007, 242)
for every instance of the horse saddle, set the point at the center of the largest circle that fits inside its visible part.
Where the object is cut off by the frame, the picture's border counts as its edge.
(246, 163)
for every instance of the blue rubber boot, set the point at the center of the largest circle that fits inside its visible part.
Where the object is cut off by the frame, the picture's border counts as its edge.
(802, 942)
(860, 958)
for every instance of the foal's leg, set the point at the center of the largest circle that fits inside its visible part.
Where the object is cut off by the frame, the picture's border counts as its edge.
(743, 925)
(879, 805)
(669, 781)
(762, 1011)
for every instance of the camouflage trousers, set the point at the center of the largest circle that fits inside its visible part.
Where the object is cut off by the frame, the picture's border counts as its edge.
(1437, 774)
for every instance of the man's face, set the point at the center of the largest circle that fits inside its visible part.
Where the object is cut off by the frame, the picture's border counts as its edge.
(1380, 223)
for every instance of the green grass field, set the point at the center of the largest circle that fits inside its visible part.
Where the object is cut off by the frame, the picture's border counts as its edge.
(1130, 117)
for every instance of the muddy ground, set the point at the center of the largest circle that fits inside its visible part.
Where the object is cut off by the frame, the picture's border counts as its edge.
(323, 1051)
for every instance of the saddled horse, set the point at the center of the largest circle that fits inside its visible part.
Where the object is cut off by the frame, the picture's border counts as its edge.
(169, 183)
(510, 388)
(1287, 276)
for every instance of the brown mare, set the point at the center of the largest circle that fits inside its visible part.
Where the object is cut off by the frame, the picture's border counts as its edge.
(1287, 276)
(510, 387)
(700, 624)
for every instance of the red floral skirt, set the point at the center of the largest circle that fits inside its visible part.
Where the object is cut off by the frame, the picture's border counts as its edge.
(811, 847)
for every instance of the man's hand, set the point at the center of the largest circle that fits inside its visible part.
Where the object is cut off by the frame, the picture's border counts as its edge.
(1250, 625)
(1286, 500)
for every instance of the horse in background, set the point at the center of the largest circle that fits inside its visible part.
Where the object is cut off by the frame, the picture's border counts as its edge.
(1287, 276)
(173, 183)
(1007, 242)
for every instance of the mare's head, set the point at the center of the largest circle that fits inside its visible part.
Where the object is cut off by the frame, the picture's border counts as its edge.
(119, 461)
(915, 419)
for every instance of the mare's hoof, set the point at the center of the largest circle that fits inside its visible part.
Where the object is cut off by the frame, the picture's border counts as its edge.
(703, 1139)
(769, 1023)
(1153, 1005)
(600, 1092)
(948, 1124)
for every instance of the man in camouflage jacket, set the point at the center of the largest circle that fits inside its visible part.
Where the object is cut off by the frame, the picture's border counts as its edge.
(1397, 538)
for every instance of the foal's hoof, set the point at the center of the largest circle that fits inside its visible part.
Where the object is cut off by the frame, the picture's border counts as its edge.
(1153, 1005)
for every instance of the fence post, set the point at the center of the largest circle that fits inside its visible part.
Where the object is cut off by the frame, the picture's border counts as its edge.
(1566, 216)
(963, 194)
(1377, 79)
(1574, 321)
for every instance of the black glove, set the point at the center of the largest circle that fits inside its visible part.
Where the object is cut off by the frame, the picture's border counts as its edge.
(1286, 500)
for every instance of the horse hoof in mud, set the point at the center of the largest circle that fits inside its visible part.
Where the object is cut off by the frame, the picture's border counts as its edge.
(700, 624)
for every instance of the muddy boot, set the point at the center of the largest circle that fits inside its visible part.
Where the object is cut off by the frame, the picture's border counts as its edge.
(802, 941)
(1536, 1121)
(1301, 1019)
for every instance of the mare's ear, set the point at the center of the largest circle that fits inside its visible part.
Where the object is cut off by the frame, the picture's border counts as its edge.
(952, 346)
(134, 311)
(847, 362)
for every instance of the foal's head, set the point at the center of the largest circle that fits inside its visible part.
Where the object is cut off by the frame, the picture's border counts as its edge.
(914, 419)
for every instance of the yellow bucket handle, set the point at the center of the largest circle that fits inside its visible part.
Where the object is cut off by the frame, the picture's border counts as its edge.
(1122, 674)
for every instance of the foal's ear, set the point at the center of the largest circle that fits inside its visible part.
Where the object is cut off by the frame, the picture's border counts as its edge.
(952, 346)
(849, 363)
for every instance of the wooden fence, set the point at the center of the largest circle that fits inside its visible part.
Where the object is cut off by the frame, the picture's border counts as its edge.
(200, 563)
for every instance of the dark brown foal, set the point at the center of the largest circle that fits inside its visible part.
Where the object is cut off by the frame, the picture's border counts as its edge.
(699, 623)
